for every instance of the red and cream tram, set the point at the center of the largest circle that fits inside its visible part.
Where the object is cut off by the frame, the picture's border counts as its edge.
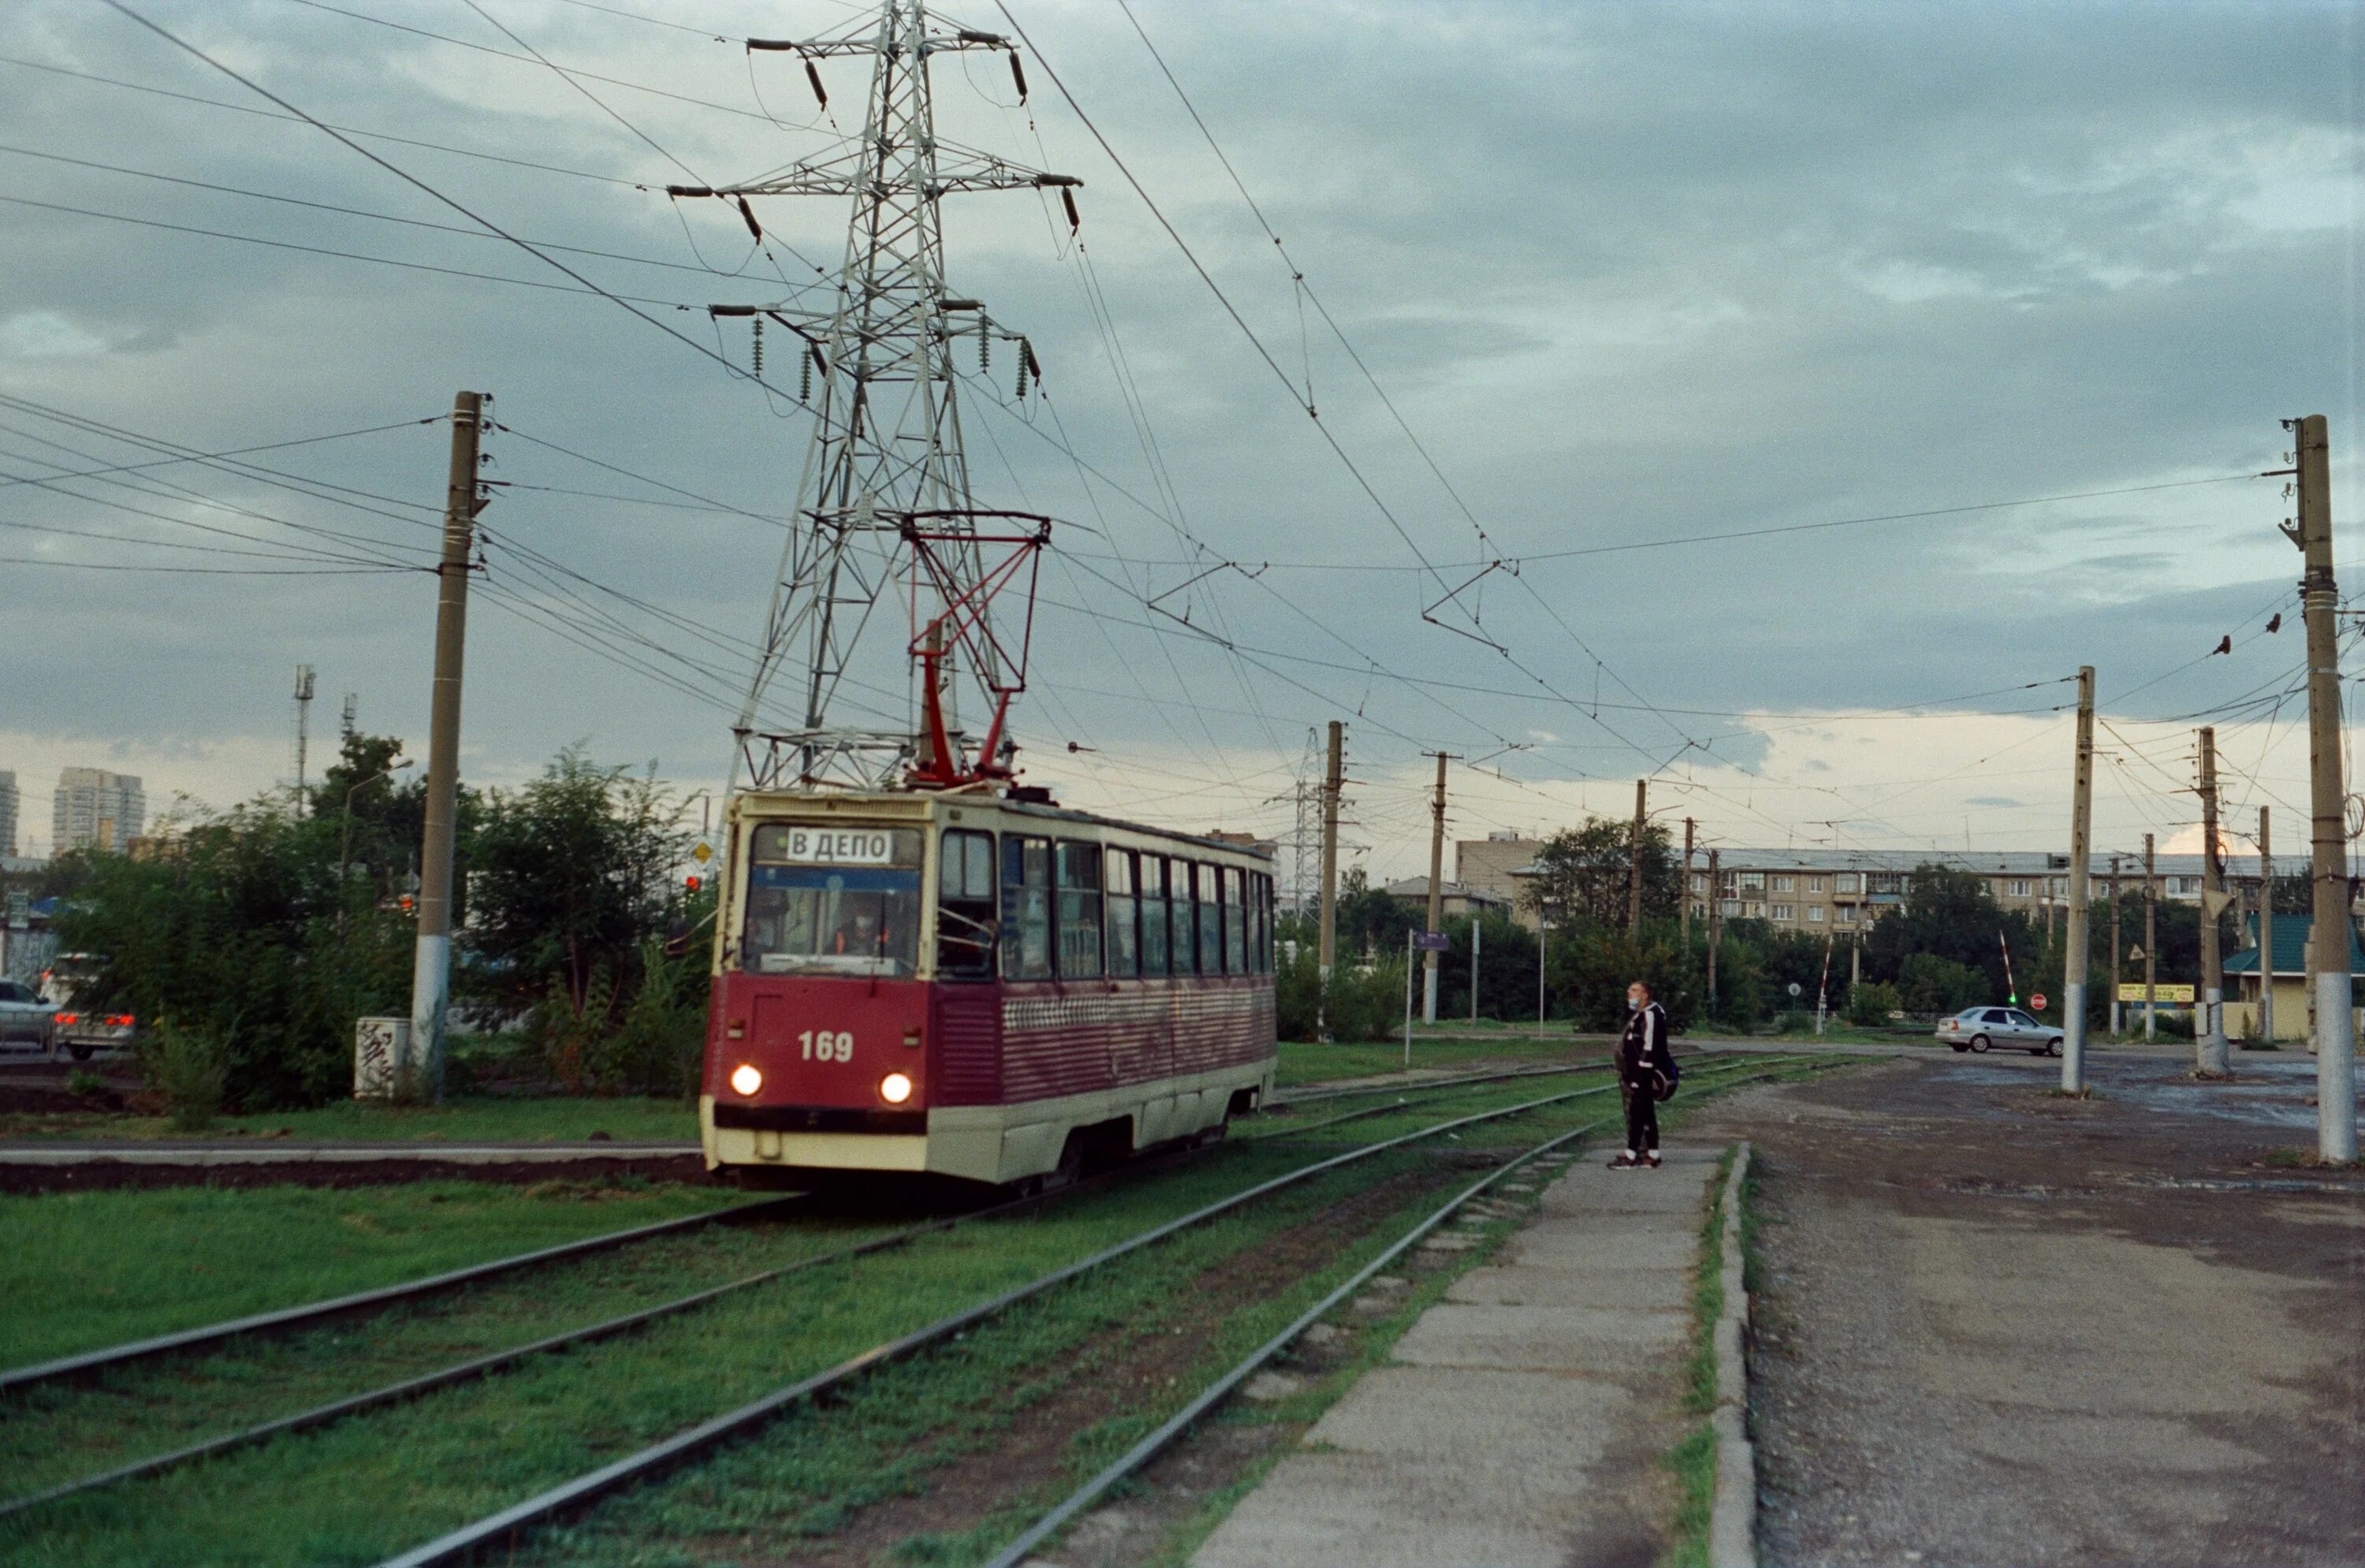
(977, 986)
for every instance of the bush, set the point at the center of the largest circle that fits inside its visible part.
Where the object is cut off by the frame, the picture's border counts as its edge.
(1298, 995)
(1870, 1003)
(187, 1069)
(1366, 1004)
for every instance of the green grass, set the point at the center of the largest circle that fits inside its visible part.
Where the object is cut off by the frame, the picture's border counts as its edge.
(1693, 1460)
(465, 1451)
(1313, 1062)
(541, 1119)
(87, 1269)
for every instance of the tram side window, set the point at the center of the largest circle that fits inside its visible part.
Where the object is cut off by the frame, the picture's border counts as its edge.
(965, 906)
(1185, 940)
(1124, 939)
(1211, 922)
(1079, 910)
(1026, 908)
(1154, 928)
(1236, 930)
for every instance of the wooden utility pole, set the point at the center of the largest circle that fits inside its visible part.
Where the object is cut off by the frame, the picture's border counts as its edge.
(1634, 870)
(2116, 1021)
(1436, 894)
(1715, 924)
(2210, 1054)
(1685, 904)
(2266, 931)
(2335, 1023)
(431, 975)
(2151, 945)
(2081, 833)
(1328, 945)
(1477, 940)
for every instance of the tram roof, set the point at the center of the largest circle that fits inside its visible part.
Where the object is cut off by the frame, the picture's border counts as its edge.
(905, 801)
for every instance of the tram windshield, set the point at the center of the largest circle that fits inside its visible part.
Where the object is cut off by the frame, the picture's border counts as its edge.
(832, 900)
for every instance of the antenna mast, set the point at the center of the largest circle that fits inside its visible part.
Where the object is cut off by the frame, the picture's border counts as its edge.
(884, 503)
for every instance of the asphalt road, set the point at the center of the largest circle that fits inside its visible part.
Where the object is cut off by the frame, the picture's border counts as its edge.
(1998, 1325)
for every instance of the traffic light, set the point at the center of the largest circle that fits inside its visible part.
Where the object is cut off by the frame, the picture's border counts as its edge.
(689, 883)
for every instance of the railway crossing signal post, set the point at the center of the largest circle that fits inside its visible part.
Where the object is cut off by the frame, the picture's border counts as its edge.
(1327, 945)
(1436, 894)
(2210, 1056)
(2336, 1036)
(431, 975)
(2081, 829)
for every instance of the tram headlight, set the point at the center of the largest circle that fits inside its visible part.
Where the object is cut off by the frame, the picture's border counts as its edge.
(745, 1078)
(895, 1088)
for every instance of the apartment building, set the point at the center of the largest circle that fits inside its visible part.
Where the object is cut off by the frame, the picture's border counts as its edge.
(94, 807)
(1846, 889)
(1490, 869)
(8, 799)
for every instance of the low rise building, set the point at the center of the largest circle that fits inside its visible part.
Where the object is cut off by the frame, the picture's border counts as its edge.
(1491, 866)
(1455, 900)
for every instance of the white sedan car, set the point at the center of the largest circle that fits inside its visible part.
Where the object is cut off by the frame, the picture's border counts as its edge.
(1977, 1028)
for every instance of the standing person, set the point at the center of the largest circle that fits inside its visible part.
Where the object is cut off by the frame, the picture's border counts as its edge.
(1646, 1068)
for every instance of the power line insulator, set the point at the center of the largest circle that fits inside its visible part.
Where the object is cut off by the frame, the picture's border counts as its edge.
(758, 352)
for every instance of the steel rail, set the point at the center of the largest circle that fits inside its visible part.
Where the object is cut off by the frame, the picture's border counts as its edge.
(1318, 1095)
(461, 1545)
(492, 1361)
(1217, 1392)
(90, 1361)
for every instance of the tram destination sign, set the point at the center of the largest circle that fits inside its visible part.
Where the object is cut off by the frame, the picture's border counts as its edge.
(837, 847)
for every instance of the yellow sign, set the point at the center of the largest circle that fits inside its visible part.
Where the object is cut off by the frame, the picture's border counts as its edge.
(703, 853)
(2179, 994)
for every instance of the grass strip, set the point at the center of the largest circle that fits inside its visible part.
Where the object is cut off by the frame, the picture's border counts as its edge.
(553, 1118)
(90, 1269)
(1693, 1458)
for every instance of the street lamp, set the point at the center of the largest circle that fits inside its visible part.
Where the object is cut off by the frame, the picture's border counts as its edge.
(345, 848)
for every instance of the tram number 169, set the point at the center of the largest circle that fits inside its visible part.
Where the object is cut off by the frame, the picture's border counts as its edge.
(822, 1045)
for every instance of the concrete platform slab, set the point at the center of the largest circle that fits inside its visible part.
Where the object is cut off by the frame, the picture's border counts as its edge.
(1577, 1338)
(1524, 1420)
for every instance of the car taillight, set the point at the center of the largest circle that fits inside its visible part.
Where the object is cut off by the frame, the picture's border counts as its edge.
(122, 1020)
(69, 1018)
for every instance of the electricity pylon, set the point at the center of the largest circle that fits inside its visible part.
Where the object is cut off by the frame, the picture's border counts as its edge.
(883, 506)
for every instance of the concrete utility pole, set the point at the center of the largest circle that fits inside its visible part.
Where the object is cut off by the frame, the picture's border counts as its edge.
(1326, 947)
(2081, 833)
(2151, 945)
(1634, 871)
(431, 975)
(2266, 931)
(1715, 924)
(1684, 904)
(2336, 1025)
(1436, 894)
(2210, 1053)
(2116, 1021)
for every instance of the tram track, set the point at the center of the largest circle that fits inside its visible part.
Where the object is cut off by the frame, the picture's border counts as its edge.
(693, 1444)
(1414, 1098)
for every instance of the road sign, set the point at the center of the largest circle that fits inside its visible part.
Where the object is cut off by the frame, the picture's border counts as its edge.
(2133, 990)
(1795, 988)
(702, 853)
(1432, 941)
(2037, 1001)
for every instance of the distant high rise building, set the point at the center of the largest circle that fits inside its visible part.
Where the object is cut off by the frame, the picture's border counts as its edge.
(96, 808)
(7, 812)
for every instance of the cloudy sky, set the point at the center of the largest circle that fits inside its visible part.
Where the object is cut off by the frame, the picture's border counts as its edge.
(1633, 275)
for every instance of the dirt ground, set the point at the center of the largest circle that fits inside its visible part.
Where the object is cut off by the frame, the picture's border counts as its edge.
(2000, 1327)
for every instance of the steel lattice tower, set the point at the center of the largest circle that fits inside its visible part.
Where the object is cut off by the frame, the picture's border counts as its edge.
(884, 502)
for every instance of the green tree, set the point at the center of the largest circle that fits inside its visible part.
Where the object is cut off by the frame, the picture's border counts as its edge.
(1371, 922)
(1586, 873)
(568, 877)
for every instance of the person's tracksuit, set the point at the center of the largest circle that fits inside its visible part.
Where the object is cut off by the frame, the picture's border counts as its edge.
(1644, 1050)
